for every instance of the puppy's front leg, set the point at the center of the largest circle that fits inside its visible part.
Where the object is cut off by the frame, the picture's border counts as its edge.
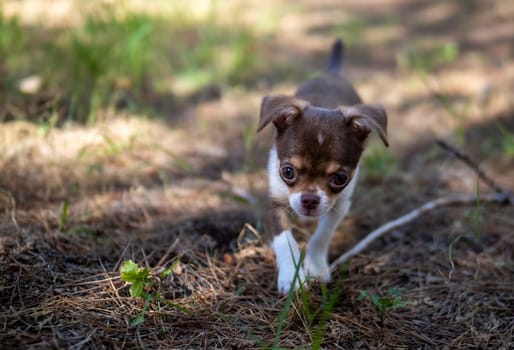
(287, 253)
(316, 258)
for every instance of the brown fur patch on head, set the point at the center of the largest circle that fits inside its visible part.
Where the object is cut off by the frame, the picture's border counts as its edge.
(299, 162)
(300, 140)
(332, 167)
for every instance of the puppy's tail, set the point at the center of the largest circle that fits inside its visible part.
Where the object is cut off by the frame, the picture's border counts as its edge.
(336, 57)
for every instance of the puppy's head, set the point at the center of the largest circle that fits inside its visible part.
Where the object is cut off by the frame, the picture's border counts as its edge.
(317, 149)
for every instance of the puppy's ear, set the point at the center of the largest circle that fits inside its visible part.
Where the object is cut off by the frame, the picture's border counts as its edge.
(363, 118)
(281, 110)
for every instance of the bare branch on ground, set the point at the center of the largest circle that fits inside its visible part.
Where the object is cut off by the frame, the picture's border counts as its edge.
(508, 196)
(502, 196)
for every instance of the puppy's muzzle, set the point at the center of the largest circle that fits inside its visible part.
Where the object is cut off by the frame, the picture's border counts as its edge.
(310, 202)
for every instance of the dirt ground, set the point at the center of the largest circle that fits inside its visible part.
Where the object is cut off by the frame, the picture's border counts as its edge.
(186, 193)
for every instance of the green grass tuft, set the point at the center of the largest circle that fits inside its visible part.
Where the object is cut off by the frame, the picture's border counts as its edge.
(384, 304)
(506, 141)
(379, 163)
(315, 316)
(12, 47)
(146, 285)
(424, 60)
(115, 57)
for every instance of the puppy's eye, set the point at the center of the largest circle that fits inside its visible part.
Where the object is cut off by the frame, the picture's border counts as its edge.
(339, 180)
(288, 173)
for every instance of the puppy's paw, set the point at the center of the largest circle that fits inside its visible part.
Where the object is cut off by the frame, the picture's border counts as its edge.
(317, 268)
(286, 277)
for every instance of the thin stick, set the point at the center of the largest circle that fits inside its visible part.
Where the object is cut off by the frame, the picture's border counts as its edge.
(448, 200)
(501, 196)
(508, 197)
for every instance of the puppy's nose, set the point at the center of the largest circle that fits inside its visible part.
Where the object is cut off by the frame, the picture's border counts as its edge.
(310, 201)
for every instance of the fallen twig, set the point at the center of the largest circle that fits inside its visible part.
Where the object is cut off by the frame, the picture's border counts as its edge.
(402, 220)
(501, 196)
(508, 197)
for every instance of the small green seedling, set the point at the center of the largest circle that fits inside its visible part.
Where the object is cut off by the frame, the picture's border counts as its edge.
(146, 285)
(391, 301)
(130, 272)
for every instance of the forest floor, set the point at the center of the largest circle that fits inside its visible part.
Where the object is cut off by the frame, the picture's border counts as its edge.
(181, 195)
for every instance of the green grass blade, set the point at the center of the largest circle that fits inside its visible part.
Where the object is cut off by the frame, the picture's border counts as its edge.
(288, 303)
(63, 218)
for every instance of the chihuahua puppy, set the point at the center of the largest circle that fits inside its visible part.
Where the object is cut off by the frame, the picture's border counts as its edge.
(313, 166)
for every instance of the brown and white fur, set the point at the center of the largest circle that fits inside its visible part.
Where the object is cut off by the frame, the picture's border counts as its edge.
(313, 166)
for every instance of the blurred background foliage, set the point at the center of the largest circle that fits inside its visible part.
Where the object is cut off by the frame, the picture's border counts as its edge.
(116, 55)
(77, 61)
